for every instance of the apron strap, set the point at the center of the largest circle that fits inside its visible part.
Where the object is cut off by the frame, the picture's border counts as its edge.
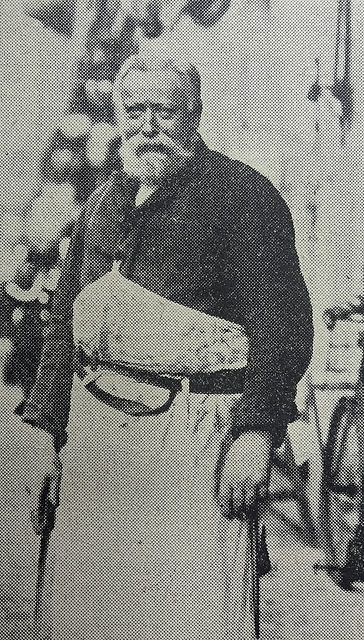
(130, 407)
(225, 381)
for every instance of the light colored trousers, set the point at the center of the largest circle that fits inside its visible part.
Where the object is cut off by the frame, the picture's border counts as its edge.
(140, 550)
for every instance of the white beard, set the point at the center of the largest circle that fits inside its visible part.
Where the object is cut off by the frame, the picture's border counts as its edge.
(150, 167)
(153, 166)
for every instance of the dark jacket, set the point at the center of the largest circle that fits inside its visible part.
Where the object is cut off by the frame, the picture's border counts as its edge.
(217, 237)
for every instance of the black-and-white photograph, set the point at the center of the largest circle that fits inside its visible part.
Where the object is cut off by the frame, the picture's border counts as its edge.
(182, 320)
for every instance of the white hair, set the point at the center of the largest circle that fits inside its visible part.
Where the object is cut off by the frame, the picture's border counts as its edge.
(185, 70)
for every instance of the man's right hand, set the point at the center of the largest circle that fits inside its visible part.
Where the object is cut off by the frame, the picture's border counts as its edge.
(44, 478)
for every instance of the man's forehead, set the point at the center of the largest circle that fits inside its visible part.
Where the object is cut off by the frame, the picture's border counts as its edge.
(153, 85)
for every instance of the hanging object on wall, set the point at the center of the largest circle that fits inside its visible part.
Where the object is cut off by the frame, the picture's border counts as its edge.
(340, 90)
(341, 87)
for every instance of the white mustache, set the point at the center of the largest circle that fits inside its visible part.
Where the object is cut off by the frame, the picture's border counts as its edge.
(152, 146)
(162, 143)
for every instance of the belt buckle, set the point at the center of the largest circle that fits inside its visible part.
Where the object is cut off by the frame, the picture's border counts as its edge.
(80, 362)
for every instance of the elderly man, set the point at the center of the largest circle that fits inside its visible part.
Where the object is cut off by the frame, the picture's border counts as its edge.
(183, 312)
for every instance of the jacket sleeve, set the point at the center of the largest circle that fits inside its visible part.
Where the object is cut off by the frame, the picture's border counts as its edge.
(48, 404)
(269, 297)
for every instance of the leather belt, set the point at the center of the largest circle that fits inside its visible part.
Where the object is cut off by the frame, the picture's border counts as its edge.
(225, 381)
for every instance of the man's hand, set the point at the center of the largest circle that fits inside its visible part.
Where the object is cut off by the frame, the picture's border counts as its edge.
(44, 478)
(245, 473)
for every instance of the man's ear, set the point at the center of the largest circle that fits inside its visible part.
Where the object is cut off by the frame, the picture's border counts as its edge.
(195, 119)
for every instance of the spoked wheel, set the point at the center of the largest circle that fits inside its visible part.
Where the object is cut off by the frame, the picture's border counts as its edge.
(342, 493)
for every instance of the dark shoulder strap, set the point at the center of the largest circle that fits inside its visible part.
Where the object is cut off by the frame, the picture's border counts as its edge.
(96, 198)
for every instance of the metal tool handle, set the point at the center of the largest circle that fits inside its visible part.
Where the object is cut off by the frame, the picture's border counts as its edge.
(49, 522)
(253, 535)
(244, 609)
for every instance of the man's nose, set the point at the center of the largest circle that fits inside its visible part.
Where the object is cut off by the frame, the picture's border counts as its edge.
(150, 125)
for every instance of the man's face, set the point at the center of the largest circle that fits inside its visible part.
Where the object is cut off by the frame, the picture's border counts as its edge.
(155, 122)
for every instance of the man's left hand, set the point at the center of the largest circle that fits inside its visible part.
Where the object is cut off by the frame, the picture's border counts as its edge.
(245, 473)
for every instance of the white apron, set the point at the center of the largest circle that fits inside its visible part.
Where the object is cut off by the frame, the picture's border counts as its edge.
(140, 550)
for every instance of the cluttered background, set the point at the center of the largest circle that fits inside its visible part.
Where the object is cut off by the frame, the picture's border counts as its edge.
(283, 90)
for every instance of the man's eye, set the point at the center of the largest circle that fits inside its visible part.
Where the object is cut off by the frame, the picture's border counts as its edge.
(166, 113)
(134, 112)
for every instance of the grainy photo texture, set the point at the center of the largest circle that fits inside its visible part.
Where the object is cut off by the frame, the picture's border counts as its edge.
(182, 308)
